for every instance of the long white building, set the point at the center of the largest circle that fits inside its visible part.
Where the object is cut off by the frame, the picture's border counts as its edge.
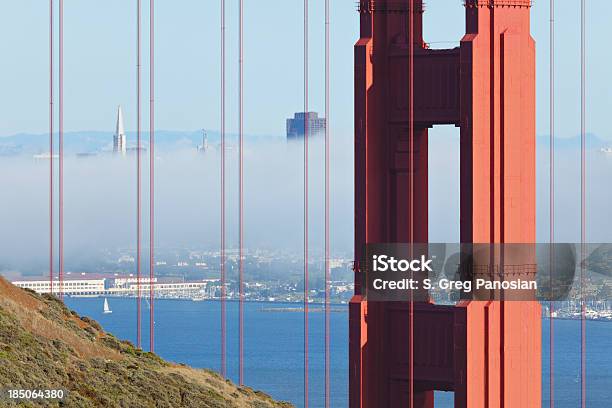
(82, 287)
(120, 287)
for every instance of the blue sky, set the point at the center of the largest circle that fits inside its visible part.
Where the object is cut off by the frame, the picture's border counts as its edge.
(100, 63)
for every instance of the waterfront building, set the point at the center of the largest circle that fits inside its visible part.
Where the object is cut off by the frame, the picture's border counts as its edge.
(128, 286)
(77, 287)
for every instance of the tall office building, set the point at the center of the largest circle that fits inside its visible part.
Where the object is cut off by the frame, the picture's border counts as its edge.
(295, 126)
(119, 139)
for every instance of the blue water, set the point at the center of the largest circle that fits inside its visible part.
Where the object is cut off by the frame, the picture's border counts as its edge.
(189, 332)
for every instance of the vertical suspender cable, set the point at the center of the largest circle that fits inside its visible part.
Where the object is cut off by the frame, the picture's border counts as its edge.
(51, 146)
(327, 200)
(61, 150)
(306, 119)
(223, 294)
(151, 172)
(552, 201)
(411, 189)
(241, 192)
(138, 184)
(582, 199)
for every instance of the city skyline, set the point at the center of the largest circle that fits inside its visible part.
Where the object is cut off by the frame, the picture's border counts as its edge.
(188, 92)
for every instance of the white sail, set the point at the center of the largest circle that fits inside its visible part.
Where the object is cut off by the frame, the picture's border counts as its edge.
(106, 308)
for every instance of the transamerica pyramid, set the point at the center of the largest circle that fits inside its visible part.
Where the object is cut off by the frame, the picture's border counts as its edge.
(119, 139)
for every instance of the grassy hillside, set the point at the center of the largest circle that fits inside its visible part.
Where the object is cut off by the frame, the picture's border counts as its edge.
(43, 345)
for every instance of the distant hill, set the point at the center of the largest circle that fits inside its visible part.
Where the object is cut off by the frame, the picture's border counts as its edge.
(43, 345)
(98, 142)
(593, 142)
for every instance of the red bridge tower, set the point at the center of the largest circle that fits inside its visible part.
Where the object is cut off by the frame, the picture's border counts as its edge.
(487, 352)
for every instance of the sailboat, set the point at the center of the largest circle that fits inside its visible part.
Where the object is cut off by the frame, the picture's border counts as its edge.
(106, 308)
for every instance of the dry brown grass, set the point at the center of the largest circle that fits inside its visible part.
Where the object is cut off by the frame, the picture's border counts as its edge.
(29, 309)
(44, 345)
